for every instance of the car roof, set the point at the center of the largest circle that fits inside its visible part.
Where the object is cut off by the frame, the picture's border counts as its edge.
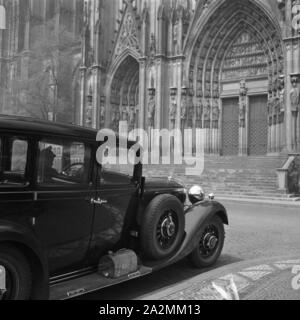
(50, 129)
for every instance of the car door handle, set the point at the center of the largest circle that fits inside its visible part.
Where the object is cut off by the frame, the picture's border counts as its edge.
(98, 201)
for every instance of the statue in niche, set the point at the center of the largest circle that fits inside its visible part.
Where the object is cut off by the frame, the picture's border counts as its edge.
(102, 116)
(215, 113)
(206, 113)
(175, 37)
(243, 104)
(190, 113)
(173, 109)
(115, 120)
(199, 113)
(295, 96)
(124, 113)
(132, 117)
(183, 110)
(151, 108)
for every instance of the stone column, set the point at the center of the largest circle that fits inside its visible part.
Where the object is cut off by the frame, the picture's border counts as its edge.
(83, 71)
(96, 82)
(173, 108)
(243, 117)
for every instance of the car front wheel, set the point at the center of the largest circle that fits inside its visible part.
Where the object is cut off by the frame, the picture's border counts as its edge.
(17, 274)
(211, 243)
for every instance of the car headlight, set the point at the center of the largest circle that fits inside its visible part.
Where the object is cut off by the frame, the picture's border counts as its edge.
(196, 194)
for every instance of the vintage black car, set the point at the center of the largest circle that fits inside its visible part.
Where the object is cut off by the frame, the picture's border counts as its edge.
(69, 225)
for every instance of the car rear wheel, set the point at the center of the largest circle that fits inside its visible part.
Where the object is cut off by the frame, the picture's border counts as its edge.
(210, 245)
(162, 227)
(17, 274)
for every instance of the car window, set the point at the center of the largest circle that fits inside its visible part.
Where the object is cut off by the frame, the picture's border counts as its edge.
(116, 173)
(13, 161)
(63, 163)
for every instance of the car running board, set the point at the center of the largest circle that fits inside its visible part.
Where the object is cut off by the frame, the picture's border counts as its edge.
(90, 283)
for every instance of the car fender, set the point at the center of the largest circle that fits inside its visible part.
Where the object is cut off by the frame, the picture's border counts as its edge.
(195, 217)
(23, 238)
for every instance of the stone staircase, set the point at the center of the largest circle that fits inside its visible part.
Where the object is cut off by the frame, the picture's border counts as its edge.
(236, 177)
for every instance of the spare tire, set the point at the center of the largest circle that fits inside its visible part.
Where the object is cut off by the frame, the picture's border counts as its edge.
(162, 227)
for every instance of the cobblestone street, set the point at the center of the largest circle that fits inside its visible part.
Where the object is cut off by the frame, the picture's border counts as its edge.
(256, 231)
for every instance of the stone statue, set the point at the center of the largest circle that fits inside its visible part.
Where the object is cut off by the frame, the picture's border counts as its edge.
(242, 112)
(206, 110)
(124, 113)
(206, 113)
(173, 109)
(282, 94)
(132, 117)
(190, 114)
(102, 116)
(243, 103)
(183, 110)
(215, 110)
(295, 96)
(115, 120)
(199, 113)
(151, 108)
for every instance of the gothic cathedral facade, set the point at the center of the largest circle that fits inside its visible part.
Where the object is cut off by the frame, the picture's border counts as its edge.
(230, 68)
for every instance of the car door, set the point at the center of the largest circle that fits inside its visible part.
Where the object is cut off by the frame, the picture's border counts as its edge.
(16, 195)
(115, 206)
(63, 207)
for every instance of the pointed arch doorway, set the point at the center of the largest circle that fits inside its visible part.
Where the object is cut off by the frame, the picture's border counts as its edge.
(124, 95)
(238, 41)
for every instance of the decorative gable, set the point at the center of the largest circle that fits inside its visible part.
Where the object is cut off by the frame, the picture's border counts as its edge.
(128, 37)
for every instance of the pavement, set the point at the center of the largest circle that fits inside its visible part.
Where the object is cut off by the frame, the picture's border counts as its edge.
(261, 279)
(261, 237)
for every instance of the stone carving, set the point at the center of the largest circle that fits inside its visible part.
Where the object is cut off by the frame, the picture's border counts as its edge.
(190, 112)
(245, 58)
(102, 113)
(215, 114)
(175, 37)
(152, 48)
(215, 110)
(132, 117)
(183, 108)
(128, 37)
(124, 113)
(282, 94)
(243, 104)
(206, 113)
(173, 107)
(151, 107)
(199, 112)
(295, 96)
(115, 121)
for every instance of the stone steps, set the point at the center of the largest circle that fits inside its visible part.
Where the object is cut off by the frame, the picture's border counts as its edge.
(253, 177)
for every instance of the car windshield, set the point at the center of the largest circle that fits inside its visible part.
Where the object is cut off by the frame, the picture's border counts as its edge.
(116, 160)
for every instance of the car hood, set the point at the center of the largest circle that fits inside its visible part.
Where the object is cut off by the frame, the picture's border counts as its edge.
(163, 182)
